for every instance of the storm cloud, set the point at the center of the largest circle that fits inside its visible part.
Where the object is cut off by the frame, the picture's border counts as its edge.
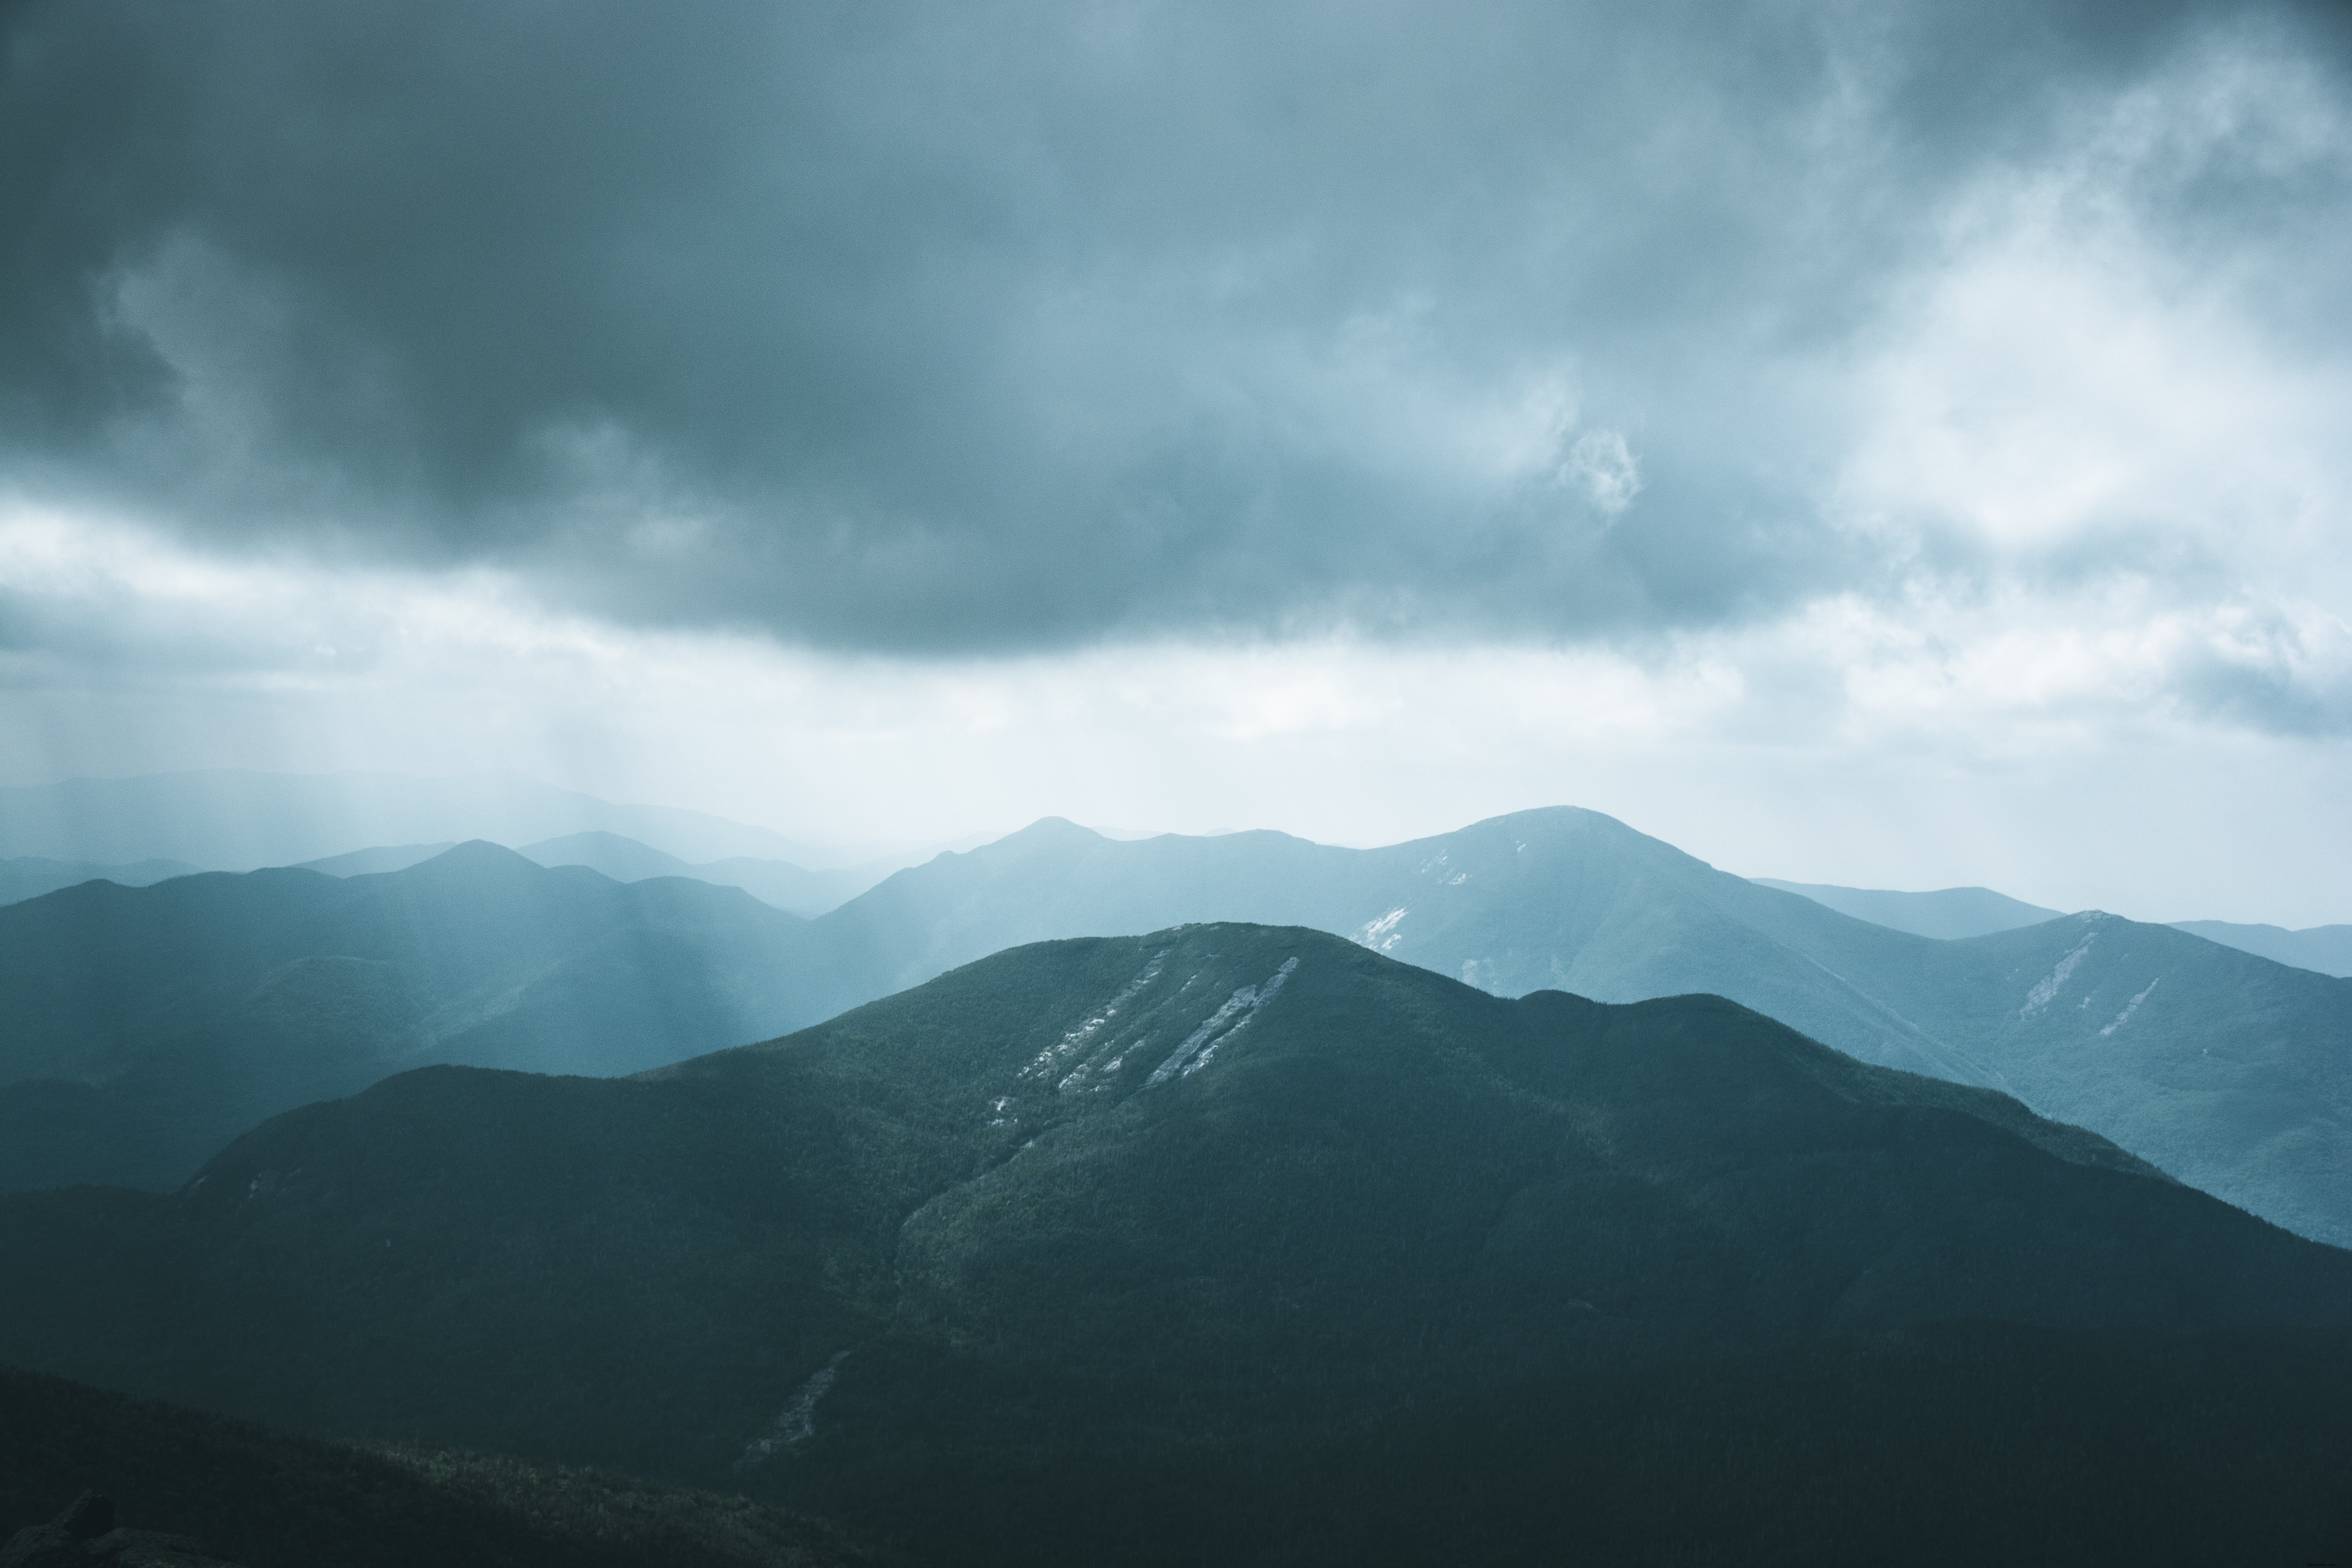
(946, 330)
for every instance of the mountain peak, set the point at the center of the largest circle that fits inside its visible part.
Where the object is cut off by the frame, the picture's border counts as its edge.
(1053, 830)
(473, 854)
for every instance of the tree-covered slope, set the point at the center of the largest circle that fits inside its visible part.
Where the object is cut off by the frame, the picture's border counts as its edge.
(1220, 1191)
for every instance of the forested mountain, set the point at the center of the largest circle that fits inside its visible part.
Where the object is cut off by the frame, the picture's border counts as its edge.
(1034, 1257)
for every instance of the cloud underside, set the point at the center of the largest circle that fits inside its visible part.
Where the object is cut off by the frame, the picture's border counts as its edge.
(955, 330)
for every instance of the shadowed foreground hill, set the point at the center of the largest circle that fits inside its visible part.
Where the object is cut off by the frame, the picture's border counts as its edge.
(1034, 1258)
(271, 1500)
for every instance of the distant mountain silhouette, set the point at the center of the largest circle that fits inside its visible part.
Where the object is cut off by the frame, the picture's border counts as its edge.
(375, 861)
(777, 882)
(2327, 950)
(1948, 914)
(1039, 1255)
(30, 876)
(240, 820)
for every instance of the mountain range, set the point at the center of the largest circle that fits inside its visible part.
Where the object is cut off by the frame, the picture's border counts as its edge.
(779, 883)
(2221, 1067)
(1234, 1241)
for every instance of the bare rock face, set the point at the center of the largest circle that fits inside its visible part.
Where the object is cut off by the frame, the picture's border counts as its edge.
(86, 1533)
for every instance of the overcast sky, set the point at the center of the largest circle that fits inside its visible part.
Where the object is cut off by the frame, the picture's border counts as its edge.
(1882, 444)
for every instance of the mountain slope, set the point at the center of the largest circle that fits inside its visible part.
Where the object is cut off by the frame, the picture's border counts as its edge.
(161, 1021)
(1946, 914)
(1576, 900)
(1221, 1201)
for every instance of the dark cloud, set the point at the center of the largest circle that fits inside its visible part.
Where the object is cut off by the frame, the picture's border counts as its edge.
(954, 328)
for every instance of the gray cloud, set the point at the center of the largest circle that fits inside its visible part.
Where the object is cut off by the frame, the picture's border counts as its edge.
(955, 328)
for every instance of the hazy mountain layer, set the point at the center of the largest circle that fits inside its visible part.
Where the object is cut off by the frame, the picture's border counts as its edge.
(30, 876)
(1040, 1249)
(1946, 914)
(377, 860)
(239, 819)
(2326, 949)
(141, 1029)
(777, 882)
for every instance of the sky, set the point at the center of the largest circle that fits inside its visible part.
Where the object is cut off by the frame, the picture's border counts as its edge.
(1896, 444)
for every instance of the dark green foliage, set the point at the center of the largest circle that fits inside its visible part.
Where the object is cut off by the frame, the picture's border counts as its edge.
(1401, 1250)
(271, 1500)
